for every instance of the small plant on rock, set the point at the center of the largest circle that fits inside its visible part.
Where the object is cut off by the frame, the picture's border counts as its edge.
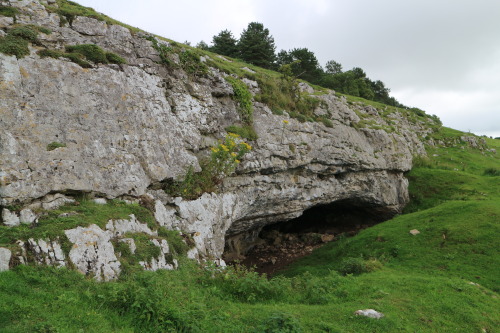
(224, 157)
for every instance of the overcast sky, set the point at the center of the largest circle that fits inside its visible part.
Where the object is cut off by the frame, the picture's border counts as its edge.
(442, 56)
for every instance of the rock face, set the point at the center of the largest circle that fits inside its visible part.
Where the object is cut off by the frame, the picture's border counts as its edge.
(125, 129)
(5, 255)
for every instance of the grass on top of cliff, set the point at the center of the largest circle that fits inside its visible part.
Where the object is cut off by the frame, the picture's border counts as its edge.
(80, 214)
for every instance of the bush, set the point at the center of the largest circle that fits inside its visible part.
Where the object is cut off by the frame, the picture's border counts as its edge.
(246, 132)
(222, 162)
(55, 145)
(244, 98)
(190, 62)
(492, 172)
(281, 322)
(114, 58)
(91, 52)
(353, 266)
(24, 33)
(8, 11)
(12, 45)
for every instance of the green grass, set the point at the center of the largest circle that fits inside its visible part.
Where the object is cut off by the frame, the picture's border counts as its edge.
(17, 40)
(51, 224)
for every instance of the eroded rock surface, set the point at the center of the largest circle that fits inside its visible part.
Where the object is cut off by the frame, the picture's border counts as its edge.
(125, 129)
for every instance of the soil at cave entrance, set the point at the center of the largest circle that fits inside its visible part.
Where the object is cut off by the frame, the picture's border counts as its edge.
(276, 249)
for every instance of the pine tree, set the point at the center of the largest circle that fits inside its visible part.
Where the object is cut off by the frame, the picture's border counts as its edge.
(256, 46)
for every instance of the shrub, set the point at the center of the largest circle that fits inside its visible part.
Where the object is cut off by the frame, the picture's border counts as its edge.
(178, 242)
(55, 145)
(281, 322)
(8, 11)
(190, 62)
(222, 162)
(91, 52)
(25, 33)
(492, 172)
(16, 46)
(114, 58)
(244, 98)
(246, 132)
(353, 266)
(327, 122)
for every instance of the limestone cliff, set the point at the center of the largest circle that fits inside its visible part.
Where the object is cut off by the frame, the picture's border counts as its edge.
(121, 130)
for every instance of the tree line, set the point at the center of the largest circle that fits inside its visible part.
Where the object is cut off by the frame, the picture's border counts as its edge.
(256, 46)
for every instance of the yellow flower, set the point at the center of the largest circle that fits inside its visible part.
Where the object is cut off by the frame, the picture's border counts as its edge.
(237, 161)
(224, 147)
(247, 146)
(215, 150)
(234, 135)
(234, 154)
(285, 122)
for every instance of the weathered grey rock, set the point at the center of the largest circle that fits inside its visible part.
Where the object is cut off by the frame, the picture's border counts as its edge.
(93, 253)
(414, 232)
(6, 21)
(89, 26)
(121, 227)
(5, 255)
(100, 201)
(161, 262)
(370, 313)
(9, 218)
(51, 201)
(304, 87)
(46, 252)
(27, 216)
(166, 217)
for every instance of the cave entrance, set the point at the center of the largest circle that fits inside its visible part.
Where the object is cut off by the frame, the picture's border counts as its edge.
(275, 246)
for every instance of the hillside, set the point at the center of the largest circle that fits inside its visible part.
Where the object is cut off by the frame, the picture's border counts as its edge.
(140, 161)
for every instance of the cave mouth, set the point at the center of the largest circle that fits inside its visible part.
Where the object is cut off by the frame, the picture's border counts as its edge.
(276, 245)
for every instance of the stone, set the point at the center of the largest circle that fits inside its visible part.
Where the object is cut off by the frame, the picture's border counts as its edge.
(327, 238)
(46, 252)
(93, 253)
(166, 217)
(100, 201)
(9, 218)
(122, 226)
(6, 21)
(5, 255)
(414, 232)
(370, 313)
(161, 262)
(27, 216)
(304, 87)
(89, 26)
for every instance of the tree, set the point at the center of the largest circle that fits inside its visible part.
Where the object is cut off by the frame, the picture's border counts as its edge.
(225, 44)
(333, 67)
(256, 46)
(202, 45)
(304, 64)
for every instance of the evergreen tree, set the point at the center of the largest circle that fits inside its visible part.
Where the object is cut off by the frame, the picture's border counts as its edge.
(225, 44)
(333, 67)
(256, 46)
(202, 45)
